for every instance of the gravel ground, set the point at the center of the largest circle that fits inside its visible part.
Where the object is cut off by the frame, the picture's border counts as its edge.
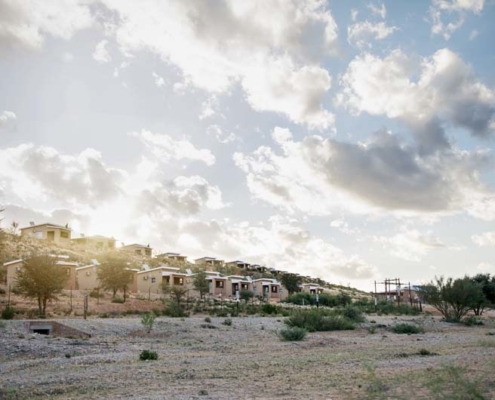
(243, 361)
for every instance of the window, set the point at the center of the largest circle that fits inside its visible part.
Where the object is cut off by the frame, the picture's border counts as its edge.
(153, 280)
(274, 289)
(68, 271)
(64, 235)
(138, 252)
(219, 284)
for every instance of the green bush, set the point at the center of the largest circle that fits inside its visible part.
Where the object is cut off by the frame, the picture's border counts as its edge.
(472, 321)
(292, 334)
(95, 294)
(406, 328)
(208, 319)
(318, 320)
(148, 355)
(148, 320)
(227, 322)
(174, 310)
(353, 313)
(8, 313)
(118, 300)
(269, 309)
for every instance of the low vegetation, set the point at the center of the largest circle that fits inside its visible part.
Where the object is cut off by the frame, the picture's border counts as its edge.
(292, 334)
(148, 355)
(317, 320)
(406, 328)
(148, 320)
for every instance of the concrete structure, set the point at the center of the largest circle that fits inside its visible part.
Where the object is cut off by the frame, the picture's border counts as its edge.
(153, 280)
(209, 262)
(238, 283)
(14, 266)
(172, 256)
(87, 277)
(138, 249)
(311, 288)
(218, 285)
(238, 264)
(95, 243)
(51, 232)
(270, 289)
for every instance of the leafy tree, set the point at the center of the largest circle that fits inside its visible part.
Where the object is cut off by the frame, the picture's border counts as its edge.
(453, 298)
(114, 273)
(488, 287)
(177, 293)
(200, 283)
(291, 282)
(42, 279)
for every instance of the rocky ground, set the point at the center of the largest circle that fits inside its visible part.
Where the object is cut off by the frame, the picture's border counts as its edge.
(246, 361)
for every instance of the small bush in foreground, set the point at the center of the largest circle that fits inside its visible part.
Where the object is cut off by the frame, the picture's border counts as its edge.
(208, 320)
(292, 334)
(353, 313)
(148, 320)
(148, 355)
(227, 322)
(8, 313)
(269, 309)
(406, 328)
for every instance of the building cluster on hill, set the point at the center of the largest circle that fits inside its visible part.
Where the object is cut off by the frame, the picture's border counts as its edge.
(226, 279)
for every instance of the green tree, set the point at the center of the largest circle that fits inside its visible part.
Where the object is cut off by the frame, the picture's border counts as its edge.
(291, 282)
(200, 283)
(453, 298)
(488, 287)
(42, 279)
(114, 273)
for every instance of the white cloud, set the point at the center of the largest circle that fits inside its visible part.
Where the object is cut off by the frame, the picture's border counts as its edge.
(474, 34)
(446, 88)
(410, 245)
(166, 148)
(281, 87)
(25, 22)
(319, 176)
(215, 46)
(484, 239)
(485, 267)
(458, 8)
(7, 120)
(221, 136)
(354, 14)
(361, 34)
(101, 53)
(159, 81)
(378, 11)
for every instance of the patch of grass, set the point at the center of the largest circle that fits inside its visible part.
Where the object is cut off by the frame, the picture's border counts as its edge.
(208, 320)
(486, 343)
(3, 325)
(148, 355)
(490, 334)
(353, 314)
(293, 334)
(372, 330)
(406, 328)
(375, 387)
(269, 309)
(425, 352)
(227, 322)
(453, 383)
(203, 392)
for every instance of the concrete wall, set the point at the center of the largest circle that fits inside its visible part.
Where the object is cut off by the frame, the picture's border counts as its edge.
(42, 232)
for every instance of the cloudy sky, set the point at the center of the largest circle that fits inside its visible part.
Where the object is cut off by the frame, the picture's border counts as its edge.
(347, 140)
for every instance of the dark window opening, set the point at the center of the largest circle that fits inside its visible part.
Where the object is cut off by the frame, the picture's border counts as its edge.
(41, 331)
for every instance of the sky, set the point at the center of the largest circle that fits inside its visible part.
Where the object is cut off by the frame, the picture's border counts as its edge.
(346, 140)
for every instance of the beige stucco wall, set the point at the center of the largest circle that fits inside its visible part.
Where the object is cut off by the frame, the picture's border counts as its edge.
(87, 278)
(41, 232)
(13, 268)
